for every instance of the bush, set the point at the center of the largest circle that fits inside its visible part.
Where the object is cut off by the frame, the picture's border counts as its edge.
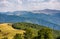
(18, 36)
(5, 38)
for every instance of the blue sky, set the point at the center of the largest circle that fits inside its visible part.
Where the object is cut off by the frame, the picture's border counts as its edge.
(17, 5)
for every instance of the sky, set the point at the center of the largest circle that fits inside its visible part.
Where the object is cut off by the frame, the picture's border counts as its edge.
(18, 5)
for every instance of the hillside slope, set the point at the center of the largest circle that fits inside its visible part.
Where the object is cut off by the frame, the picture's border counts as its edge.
(10, 30)
(6, 30)
(36, 27)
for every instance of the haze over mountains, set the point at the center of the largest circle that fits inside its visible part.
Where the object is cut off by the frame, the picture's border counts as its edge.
(47, 17)
(47, 11)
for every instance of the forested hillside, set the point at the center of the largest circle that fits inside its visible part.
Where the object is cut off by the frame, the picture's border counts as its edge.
(35, 29)
(24, 30)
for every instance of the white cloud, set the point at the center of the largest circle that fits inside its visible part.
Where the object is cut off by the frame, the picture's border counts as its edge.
(13, 5)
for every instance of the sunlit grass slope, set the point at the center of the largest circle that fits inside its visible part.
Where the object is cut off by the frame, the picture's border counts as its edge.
(6, 30)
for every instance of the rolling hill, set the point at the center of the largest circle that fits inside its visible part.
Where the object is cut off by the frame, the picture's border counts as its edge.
(9, 30)
(6, 30)
(35, 27)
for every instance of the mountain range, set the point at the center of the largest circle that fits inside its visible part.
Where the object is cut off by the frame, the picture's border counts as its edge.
(47, 17)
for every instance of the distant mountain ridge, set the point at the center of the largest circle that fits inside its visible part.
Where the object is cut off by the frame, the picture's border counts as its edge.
(49, 20)
(47, 11)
